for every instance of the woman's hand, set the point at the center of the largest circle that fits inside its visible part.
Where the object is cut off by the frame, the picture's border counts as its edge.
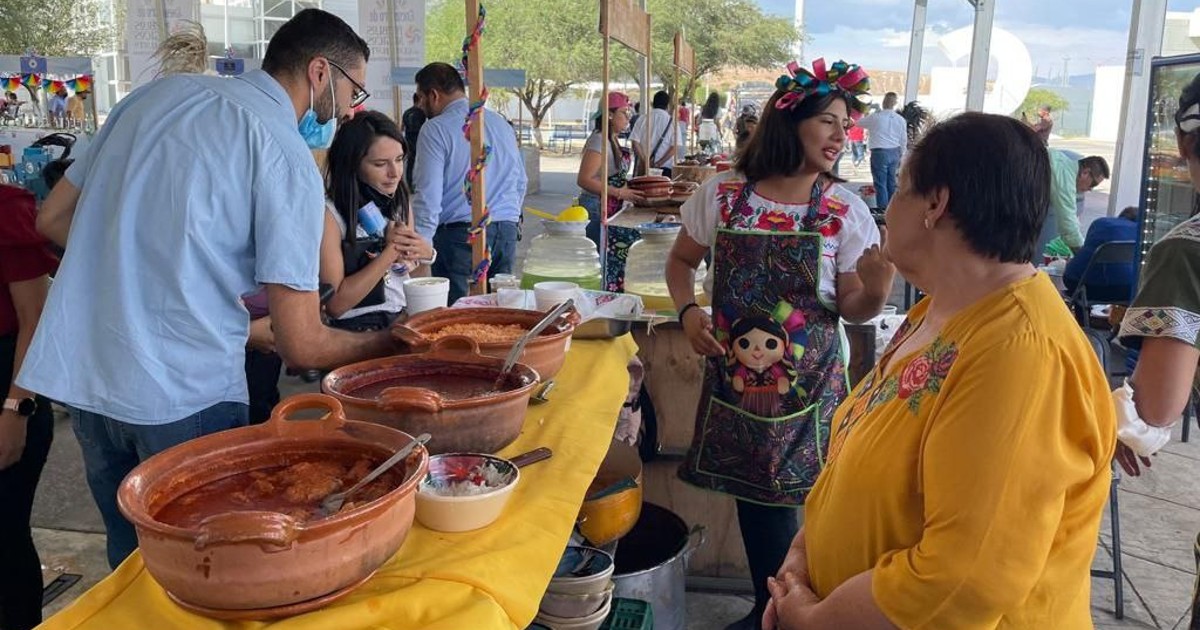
(409, 245)
(12, 438)
(697, 325)
(629, 194)
(791, 599)
(876, 272)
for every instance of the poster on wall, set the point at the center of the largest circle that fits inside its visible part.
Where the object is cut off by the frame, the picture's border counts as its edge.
(142, 32)
(410, 47)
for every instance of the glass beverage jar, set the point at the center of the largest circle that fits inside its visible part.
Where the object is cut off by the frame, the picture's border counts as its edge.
(564, 253)
(645, 269)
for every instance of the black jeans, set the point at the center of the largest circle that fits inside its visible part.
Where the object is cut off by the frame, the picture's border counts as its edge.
(767, 532)
(262, 382)
(20, 567)
(454, 254)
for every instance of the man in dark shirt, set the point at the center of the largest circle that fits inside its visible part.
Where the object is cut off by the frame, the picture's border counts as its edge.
(412, 120)
(1111, 281)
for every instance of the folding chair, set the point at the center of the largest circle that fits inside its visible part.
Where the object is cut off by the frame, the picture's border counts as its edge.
(1112, 252)
(1100, 345)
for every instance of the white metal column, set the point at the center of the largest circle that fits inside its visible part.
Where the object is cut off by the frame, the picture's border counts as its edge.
(799, 21)
(981, 50)
(916, 49)
(1146, 24)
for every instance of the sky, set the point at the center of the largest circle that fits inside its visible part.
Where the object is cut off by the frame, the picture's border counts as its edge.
(875, 33)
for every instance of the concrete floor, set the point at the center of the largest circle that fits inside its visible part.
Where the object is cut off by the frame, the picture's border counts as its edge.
(1160, 512)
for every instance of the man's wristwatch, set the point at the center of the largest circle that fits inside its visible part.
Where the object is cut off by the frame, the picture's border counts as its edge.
(23, 407)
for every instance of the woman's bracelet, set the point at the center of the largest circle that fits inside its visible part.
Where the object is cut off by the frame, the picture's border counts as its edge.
(686, 307)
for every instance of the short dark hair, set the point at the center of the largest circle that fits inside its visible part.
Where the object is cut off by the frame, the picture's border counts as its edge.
(350, 145)
(439, 76)
(775, 148)
(890, 100)
(313, 33)
(1096, 164)
(997, 173)
(661, 100)
(1130, 213)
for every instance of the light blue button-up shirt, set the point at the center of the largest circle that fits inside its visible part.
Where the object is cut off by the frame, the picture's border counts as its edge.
(443, 157)
(196, 190)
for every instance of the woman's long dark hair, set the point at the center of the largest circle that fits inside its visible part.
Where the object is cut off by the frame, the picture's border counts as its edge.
(775, 148)
(350, 146)
(712, 105)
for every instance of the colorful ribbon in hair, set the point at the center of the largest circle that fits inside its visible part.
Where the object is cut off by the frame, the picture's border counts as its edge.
(800, 84)
(474, 113)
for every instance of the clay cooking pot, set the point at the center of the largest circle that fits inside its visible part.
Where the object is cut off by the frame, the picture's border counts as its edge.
(260, 559)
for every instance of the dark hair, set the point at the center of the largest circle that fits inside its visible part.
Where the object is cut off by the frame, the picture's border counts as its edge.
(1130, 213)
(313, 33)
(775, 147)
(1187, 98)
(747, 324)
(350, 145)
(1096, 164)
(439, 76)
(711, 106)
(890, 100)
(661, 100)
(997, 173)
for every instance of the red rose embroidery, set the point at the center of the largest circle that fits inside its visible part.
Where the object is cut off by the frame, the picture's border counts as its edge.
(776, 221)
(914, 376)
(838, 208)
(830, 228)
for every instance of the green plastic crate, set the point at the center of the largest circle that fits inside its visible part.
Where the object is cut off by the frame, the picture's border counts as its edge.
(629, 614)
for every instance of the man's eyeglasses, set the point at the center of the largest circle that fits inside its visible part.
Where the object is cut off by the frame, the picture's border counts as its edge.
(360, 94)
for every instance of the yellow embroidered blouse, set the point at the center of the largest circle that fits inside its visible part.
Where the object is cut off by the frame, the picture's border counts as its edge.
(971, 475)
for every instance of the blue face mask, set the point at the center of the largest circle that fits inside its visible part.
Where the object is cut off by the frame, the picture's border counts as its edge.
(315, 134)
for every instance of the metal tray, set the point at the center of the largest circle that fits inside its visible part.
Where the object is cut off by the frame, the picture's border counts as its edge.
(603, 328)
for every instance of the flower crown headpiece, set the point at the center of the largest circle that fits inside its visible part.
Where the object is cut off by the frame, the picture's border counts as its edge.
(800, 84)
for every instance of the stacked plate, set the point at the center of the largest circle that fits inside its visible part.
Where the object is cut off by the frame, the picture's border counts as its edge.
(652, 186)
(580, 593)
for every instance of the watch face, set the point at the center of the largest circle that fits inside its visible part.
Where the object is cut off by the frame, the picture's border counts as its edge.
(26, 407)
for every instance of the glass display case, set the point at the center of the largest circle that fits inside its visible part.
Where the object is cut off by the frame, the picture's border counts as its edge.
(1168, 197)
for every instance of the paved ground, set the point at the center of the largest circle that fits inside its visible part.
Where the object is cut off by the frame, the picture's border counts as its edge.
(1160, 512)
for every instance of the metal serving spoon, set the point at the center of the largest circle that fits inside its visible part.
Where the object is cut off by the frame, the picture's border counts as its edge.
(332, 503)
(519, 347)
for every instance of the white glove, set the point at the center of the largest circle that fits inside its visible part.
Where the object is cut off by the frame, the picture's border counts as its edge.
(1143, 439)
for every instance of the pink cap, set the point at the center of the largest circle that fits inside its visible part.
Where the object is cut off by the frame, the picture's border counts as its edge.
(617, 100)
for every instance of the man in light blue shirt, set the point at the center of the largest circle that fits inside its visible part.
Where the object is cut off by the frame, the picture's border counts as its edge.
(441, 211)
(196, 190)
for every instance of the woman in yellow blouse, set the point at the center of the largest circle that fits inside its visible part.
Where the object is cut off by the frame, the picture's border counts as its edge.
(968, 472)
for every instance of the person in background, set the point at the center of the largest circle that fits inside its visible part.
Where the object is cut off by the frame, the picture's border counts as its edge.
(412, 120)
(144, 332)
(1070, 178)
(1043, 125)
(590, 165)
(1109, 282)
(365, 168)
(75, 107)
(887, 137)
(685, 126)
(1161, 323)
(857, 138)
(744, 128)
(57, 109)
(793, 252)
(708, 134)
(26, 421)
(11, 107)
(441, 209)
(988, 403)
(662, 144)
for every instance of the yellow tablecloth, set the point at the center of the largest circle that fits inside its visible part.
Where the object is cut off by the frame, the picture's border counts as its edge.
(492, 578)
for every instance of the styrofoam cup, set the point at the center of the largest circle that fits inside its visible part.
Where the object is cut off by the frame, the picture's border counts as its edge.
(424, 294)
(548, 295)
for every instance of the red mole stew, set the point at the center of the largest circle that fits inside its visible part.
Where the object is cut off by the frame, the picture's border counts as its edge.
(296, 490)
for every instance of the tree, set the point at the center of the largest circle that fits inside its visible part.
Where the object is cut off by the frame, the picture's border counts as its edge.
(558, 45)
(722, 33)
(1038, 97)
(55, 28)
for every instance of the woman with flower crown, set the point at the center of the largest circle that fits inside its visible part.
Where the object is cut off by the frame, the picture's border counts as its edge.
(793, 251)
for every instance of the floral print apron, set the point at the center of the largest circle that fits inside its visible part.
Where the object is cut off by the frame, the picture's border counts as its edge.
(762, 426)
